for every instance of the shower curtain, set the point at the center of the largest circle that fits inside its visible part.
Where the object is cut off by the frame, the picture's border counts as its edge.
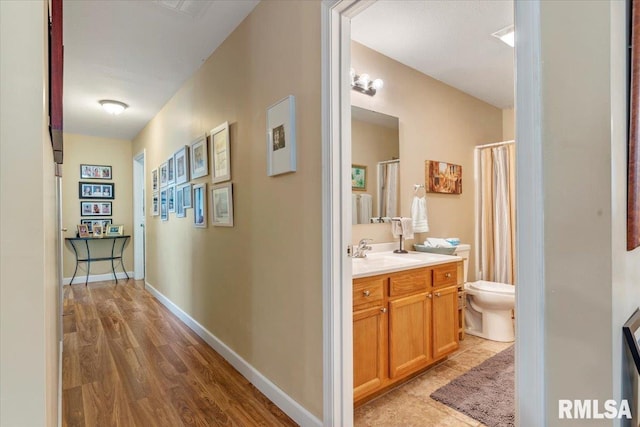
(496, 213)
(389, 189)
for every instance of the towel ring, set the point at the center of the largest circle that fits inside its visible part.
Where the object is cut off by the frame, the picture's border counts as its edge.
(417, 187)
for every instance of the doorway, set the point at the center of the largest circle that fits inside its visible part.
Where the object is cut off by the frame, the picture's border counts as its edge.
(338, 387)
(139, 234)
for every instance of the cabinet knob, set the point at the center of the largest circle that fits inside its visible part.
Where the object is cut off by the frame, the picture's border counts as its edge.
(383, 309)
(447, 275)
(429, 296)
(366, 293)
(437, 294)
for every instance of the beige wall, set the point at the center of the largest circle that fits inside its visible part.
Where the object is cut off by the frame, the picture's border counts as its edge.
(437, 122)
(28, 276)
(117, 153)
(256, 286)
(372, 143)
(508, 124)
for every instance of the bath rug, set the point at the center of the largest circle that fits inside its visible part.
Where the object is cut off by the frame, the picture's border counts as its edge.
(485, 393)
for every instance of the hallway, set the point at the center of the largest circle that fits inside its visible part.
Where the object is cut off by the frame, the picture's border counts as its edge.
(128, 361)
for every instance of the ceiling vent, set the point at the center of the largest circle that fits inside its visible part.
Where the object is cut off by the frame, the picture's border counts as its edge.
(193, 8)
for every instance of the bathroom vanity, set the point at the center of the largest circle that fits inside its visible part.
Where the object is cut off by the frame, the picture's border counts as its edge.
(405, 317)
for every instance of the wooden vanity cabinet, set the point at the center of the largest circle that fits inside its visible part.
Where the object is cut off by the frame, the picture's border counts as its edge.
(402, 323)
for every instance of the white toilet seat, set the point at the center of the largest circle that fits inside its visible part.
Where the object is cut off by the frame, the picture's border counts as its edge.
(493, 287)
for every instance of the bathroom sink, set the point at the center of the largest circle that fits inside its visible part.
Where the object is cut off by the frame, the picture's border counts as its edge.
(387, 262)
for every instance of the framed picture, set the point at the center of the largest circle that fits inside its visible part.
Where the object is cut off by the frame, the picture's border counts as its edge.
(358, 177)
(633, 156)
(95, 208)
(200, 205)
(171, 198)
(171, 171)
(220, 154)
(164, 176)
(186, 195)
(155, 204)
(83, 230)
(91, 222)
(164, 213)
(631, 330)
(155, 184)
(95, 172)
(114, 230)
(88, 190)
(443, 177)
(199, 159)
(181, 160)
(180, 212)
(97, 231)
(281, 137)
(222, 205)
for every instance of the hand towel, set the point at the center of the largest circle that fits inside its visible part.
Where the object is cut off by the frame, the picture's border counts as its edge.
(434, 242)
(402, 226)
(419, 215)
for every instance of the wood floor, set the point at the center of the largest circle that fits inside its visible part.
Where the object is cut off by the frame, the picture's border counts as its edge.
(127, 361)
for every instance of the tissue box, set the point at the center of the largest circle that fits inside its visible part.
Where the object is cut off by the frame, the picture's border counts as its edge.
(430, 249)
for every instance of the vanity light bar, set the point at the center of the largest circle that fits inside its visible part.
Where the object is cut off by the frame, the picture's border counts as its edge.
(363, 83)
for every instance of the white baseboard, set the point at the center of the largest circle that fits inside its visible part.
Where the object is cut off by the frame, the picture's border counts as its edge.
(95, 277)
(289, 406)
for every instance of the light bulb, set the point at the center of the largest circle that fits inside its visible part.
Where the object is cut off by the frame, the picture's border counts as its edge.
(377, 84)
(363, 80)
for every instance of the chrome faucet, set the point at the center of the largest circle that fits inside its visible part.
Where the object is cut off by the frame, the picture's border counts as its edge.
(363, 247)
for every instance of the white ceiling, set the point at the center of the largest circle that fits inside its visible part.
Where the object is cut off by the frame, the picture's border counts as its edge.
(141, 52)
(448, 40)
(137, 52)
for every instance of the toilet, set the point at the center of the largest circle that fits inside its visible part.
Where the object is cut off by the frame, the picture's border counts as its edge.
(489, 305)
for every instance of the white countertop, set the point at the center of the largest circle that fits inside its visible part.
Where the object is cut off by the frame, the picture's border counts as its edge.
(388, 262)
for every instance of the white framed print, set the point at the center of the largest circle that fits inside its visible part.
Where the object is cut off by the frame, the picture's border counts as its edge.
(199, 158)
(180, 211)
(164, 178)
(200, 205)
(155, 204)
(186, 196)
(164, 213)
(155, 185)
(181, 160)
(171, 197)
(220, 154)
(281, 137)
(171, 171)
(222, 205)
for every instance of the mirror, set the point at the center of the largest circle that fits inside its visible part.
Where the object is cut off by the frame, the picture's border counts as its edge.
(375, 171)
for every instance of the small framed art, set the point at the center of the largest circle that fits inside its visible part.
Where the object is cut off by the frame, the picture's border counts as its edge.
(95, 208)
(171, 171)
(220, 154)
(83, 230)
(171, 198)
(95, 172)
(358, 177)
(164, 212)
(155, 184)
(281, 137)
(88, 190)
(164, 176)
(186, 195)
(114, 230)
(181, 160)
(97, 231)
(155, 204)
(200, 205)
(180, 212)
(199, 159)
(222, 205)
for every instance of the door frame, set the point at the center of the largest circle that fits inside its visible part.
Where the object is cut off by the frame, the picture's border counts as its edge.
(139, 214)
(336, 158)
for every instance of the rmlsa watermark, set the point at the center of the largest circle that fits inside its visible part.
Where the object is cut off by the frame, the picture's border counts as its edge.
(591, 409)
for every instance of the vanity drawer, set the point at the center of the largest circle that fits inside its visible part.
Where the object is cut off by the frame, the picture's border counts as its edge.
(445, 275)
(368, 292)
(409, 282)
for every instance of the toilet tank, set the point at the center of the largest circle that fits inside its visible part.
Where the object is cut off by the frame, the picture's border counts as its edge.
(462, 250)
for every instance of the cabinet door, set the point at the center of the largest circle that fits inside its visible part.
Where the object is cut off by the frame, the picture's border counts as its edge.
(445, 321)
(369, 350)
(409, 334)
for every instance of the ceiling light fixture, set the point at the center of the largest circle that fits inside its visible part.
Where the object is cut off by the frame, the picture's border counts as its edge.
(363, 83)
(507, 35)
(113, 107)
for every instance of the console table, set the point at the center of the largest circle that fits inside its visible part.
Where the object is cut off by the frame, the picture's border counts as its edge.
(83, 246)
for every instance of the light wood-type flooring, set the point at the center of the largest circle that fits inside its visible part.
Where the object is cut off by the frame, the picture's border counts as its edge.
(409, 405)
(127, 361)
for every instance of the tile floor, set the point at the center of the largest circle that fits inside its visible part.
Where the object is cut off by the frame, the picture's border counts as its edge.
(410, 404)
